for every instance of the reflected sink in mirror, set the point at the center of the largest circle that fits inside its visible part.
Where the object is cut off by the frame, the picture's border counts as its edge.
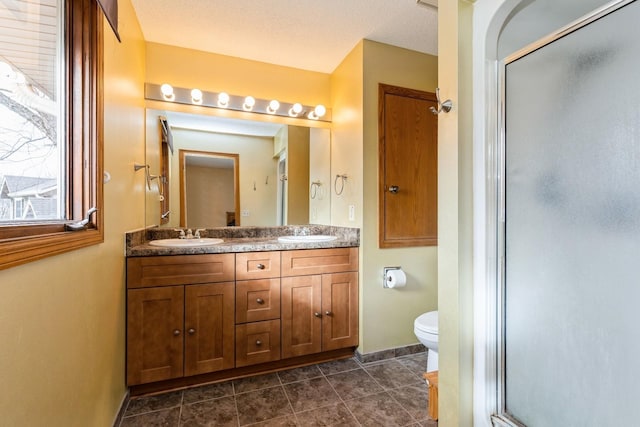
(306, 239)
(185, 243)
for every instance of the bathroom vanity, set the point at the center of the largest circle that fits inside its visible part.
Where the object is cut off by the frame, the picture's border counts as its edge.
(248, 305)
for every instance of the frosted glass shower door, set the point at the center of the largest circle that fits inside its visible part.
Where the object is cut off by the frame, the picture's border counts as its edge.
(571, 283)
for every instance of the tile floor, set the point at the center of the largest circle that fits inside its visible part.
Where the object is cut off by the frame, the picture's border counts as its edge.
(340, 393)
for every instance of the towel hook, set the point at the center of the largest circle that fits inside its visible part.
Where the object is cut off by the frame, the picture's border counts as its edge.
(343, 178)
(442, 106)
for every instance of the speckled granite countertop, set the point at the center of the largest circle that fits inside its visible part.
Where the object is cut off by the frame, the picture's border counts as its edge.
(240, 239)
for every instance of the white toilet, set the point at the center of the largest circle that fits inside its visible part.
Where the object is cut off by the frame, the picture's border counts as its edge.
(426, 329)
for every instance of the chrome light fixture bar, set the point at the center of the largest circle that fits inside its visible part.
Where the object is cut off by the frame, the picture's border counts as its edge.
(225, 101)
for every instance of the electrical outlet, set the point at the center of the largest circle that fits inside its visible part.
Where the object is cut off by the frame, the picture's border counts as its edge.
(352, 212)
(244, 212)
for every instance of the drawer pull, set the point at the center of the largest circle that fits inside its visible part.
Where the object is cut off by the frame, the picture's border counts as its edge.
(260, 301)
(176, 332)
(192, 331)
(260, 266)
(317, 314)
(258, 342)
(328, 313)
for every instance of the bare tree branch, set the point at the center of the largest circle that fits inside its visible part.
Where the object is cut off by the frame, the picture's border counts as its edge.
(46, 123)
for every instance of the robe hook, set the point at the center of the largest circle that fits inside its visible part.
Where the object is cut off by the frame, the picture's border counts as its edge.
(442, 106)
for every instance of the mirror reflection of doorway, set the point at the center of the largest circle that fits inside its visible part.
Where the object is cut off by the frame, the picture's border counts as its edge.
(282, 190)
(209, 195)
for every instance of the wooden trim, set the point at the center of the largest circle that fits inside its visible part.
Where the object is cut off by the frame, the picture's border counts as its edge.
(383, 241)
(183, 189)
(20, 244)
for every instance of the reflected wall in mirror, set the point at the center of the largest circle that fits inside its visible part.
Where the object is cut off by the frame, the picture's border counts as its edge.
(281, 175)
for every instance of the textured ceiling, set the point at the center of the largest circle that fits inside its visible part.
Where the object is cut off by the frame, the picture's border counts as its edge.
(310, 35)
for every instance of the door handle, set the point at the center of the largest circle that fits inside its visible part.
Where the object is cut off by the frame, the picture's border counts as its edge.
(393, 189)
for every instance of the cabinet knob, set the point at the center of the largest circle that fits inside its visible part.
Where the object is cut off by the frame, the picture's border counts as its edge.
(260, 266)
(317, 314)
(260, 301)
(192, 331)
(328, 313)
(258, 342)
(176, 332)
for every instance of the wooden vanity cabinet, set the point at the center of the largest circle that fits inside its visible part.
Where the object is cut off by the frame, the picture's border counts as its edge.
(179, 322)
(319, 311)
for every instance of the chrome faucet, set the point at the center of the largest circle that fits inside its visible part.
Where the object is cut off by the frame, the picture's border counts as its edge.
(182, 235)
(189, 234)
(197, 233)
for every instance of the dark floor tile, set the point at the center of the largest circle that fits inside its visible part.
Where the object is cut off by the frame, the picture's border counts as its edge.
(262, 405)
(206, 392)
(216, 412)
(338, 366)
(376, 356)
(414, 400)
(392, 374)
(379, 410)
(162, 418)
(354, 384)
(416, 363)
(288, 421)
(244, 385)
(409, 349)
(299, 374)
(310, 394)
(335, 415)
(140, 405)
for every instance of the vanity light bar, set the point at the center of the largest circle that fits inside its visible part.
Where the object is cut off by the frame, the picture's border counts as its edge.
(166, 92)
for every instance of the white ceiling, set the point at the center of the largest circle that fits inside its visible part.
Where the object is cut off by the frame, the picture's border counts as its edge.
(310, 35)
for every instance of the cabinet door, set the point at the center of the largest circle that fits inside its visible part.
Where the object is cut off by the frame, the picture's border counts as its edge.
(209, 328)
(301, 315)
(339, 310)
(154, 334)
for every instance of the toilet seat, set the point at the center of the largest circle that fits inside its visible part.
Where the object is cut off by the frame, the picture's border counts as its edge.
(427, 323)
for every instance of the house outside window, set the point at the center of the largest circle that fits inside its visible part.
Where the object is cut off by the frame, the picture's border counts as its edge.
(50, 127)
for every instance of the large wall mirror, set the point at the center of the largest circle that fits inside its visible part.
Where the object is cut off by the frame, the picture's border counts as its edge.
(214, 172)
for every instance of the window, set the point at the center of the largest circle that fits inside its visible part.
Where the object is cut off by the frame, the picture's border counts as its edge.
(50, 127)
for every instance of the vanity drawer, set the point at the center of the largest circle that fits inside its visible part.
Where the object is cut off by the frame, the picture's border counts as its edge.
(257, 265)
(319, 261)
(151, 271)
(257, 300)
(257, 342)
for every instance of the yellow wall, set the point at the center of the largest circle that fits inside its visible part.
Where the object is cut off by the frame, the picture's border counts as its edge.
(298, 175)
(210, 196)
(397, 307)
(455, 290)
(211, 72)
(62, 318)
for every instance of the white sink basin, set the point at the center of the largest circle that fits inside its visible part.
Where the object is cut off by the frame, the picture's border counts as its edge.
(306, 239)
(185, 243)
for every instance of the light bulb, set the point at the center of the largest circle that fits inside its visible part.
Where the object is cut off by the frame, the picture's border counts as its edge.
(295, 109)
(320, 110)
(167, 90)
(249, 102)
(223, 99)
(196, 96)
(273, 106)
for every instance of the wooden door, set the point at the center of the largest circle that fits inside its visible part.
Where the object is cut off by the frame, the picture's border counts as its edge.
(209, 328)
(408, 168)
(154, 334)
(339, 310)
(301, 315)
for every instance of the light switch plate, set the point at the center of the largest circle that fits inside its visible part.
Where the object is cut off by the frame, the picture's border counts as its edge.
(352, 212)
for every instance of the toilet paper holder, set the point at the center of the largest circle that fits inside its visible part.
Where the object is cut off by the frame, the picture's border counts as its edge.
(384, 275)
